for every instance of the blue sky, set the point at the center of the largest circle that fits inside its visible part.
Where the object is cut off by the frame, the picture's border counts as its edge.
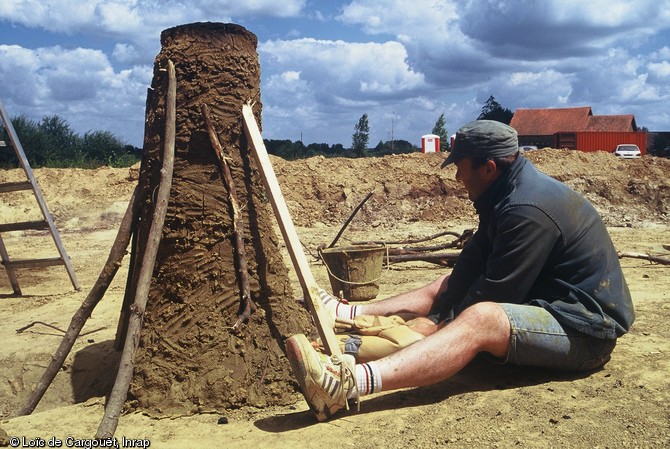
(326, 63)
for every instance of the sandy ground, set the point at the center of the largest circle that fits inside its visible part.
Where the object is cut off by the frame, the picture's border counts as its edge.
(625, 404)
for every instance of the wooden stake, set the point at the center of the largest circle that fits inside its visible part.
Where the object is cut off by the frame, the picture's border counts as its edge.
(309, 286)
(346, 223)
(460, 242)
(119, 392)
(84, 313)
(247, 305)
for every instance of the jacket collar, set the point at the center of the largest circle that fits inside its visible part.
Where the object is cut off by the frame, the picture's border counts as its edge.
(493, 194)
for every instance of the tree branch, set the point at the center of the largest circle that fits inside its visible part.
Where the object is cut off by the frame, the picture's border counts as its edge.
(119, 392)
(247, 305)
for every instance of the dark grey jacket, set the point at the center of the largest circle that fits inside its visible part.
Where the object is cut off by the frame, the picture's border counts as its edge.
(541, 243)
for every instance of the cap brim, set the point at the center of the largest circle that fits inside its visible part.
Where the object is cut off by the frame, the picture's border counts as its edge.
(449, 160)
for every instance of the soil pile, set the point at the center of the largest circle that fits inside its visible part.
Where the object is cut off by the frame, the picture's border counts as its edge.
(626, 404)
(410, 188)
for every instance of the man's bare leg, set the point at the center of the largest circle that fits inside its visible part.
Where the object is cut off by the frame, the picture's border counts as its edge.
(483, 327)
(417, 301)
(327, 382)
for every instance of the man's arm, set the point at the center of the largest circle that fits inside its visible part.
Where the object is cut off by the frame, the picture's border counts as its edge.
(523, 240)
(470, 266)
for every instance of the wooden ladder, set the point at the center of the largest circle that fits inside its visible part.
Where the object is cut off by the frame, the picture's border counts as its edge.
(47, 223)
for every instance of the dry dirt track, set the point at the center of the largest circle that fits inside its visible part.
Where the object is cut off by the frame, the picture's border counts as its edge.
(627, 404)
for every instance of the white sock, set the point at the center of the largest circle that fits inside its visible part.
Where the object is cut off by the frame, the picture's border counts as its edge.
(337, 308)
(368, 378)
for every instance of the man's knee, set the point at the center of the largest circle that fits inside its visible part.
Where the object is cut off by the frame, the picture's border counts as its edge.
(486, 312)
(490, 326)
(436, 287)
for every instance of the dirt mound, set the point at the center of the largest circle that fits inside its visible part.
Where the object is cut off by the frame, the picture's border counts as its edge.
(412, 187)
(79, 199)
(484, 406)
(408, 188)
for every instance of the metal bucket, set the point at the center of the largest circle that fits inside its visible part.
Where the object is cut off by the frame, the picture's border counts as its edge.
(354, 271)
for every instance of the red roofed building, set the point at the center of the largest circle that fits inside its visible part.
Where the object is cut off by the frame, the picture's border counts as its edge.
(612, 123)
(576, 129)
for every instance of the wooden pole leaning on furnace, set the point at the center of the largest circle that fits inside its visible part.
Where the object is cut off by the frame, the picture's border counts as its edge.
(86, 309)
(124, 376)
(309, 286)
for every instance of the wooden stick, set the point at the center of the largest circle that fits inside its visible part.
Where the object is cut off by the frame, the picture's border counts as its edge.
(444, 259)
(346, 223)
(467, 233)
(129, 294)
(650, 258)
(95, 295)
(417, 249)
(309, 286)
(119, 392)
(62, 331)
(247, 304)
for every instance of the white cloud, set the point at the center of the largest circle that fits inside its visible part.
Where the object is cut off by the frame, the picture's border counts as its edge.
(411, 60)
(357, 69)
(120, 16)
(79, 85)
(393, 17)
(59, 15)
(137, 23)
(125, 53)
(660, 69)
(338, 80)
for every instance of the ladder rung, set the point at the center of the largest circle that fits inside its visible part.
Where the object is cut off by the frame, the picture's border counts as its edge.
(23, 226)
(45, 224)
(14, 186)
(29, 263)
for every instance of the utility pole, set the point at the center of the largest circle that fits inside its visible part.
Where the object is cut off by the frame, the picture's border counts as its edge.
(392, 130)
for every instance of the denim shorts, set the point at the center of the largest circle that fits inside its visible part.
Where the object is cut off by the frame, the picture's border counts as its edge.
(538, 339)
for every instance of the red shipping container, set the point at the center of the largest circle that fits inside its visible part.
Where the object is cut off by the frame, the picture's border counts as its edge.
(600, 140)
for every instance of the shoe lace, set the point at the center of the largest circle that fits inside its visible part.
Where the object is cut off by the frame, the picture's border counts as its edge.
(348, 382)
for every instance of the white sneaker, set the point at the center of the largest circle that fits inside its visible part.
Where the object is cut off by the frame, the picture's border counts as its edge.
(325, 381)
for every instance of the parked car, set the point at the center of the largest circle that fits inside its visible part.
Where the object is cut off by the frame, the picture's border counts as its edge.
(523, 148)
(627, 151)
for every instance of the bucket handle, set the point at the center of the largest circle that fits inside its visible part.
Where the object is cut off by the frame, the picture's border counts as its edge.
(352, 282)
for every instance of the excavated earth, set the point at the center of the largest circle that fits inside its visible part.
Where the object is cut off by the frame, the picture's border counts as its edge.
(626, 404)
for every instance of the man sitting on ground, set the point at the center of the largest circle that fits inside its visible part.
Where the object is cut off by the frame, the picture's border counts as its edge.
(539, 284)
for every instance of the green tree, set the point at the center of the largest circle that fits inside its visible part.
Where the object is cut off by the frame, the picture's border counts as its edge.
(102, 147)
(393, 147)
(63, 146)
(291, 150)
(30, 138)
(361, 136)
(492, 110)
(440, 130)
(52, 143)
